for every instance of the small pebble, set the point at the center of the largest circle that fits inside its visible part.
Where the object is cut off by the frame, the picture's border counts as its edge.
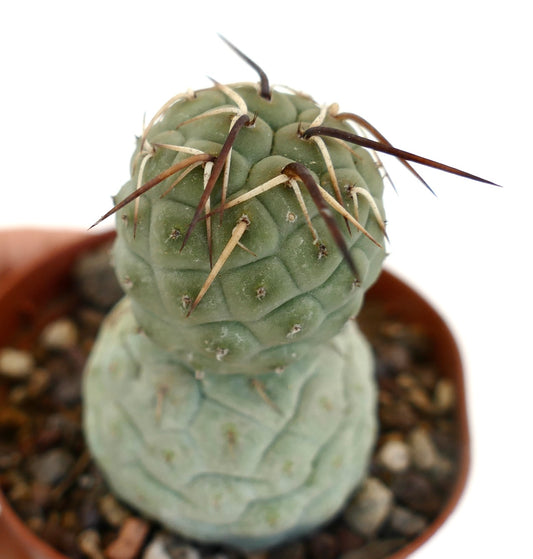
(38, 382)
(397, 415)
(323, 546)
(442, 472)
(86, 481)
(392, 329)
(444, 397)
(396, 356)
(35, 524)
(66, 390)
(347, 539)
(415, 491)
(70, 521)
(184, 552)
(9, 458)
(406, 381)
(41, 493)
(419, 398)
(445, 437)
(394, 455)
(51, 466)
(156, 550)
(16, 364)
(407, 523)
(369, 509)
(47, 437)
(91, 318)
(60, 538)
(20, 491)
(113, 511)
(379, 549)
(89, 515)
(423, 451)
(60, 334)
(130, 539)
(18, 395)
(28, 508)
(89, 542)
(295, 550)
(428, 377)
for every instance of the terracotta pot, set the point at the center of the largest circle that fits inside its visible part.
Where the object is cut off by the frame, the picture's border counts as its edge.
(27, 293)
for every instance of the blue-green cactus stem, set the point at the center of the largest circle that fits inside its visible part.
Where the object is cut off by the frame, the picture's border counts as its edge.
(243, 461)
(286, 286)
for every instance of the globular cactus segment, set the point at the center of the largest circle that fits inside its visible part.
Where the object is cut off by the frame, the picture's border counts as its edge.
(246, 461)
(280, 263)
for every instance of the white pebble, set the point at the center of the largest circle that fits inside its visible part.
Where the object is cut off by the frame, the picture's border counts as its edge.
(60, 334)
(423, 450)
(89, 542)
(370, 507)
(112, 510)
(444, 396)
(394, 455)
(15, 364)
(156, 550)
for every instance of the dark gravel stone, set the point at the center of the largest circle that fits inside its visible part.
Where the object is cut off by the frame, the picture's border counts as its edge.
(379, 549)
(398, 415)
(49, 468)
(347, 540)
(294, 550)
(414, 490)
(323, 546)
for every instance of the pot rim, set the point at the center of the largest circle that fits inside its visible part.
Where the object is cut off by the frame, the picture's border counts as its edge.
(27, 545)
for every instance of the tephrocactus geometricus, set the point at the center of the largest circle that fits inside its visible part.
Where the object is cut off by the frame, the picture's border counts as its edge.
(230, 395)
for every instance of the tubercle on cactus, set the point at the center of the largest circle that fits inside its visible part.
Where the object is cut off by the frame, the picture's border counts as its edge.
(299, 171)
(290, 175)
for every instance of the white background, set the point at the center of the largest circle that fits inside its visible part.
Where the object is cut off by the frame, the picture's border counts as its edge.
(449, 80)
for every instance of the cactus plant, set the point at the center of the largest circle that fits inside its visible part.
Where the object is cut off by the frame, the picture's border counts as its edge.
(230, 395)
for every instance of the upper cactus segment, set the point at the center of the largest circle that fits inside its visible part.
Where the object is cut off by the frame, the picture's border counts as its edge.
(277, 254)
(252, 224)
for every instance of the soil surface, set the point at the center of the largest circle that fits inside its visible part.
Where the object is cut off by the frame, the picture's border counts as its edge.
(51, 482)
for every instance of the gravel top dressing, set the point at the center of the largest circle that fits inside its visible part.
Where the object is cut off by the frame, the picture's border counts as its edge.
(51, 482)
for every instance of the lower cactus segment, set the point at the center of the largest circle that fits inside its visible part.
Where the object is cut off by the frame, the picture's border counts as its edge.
(248, 461)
